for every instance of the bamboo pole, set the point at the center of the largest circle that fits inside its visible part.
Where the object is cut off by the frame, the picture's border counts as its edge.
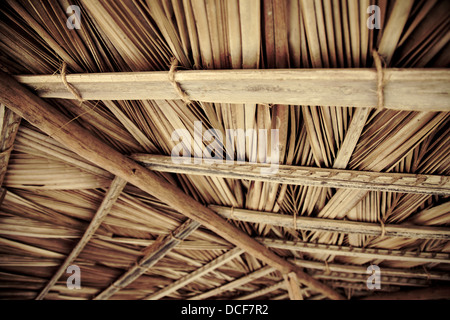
(393, 272)
(111, 197)
(369, 253)
(82, 142)
(405, 89)
(300, 175)
(331, 225)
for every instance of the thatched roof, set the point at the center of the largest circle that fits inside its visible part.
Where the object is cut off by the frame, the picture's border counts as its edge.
(361, 181)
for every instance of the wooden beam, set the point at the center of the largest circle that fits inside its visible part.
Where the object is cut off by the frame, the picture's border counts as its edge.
(111, 197)
(298, 175)
(369, 253)
(432, 293)
(210, 266)
(185, 245)
(331, 225)
(85, 144)
(393, 272)
(353, 277)
(9, 125)
(258, 293)
(236, 283)
(155, 252)
(292, 286)
(405, 89)
(351, 138)
(394, 28)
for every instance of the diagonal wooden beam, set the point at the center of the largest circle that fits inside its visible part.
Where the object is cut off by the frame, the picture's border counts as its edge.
(331, 225)
(85, 144)
(292, 286)
(394, 28)
(406, 89)
(236, 283)
(111, 197)
(368, 253)
(216, 263)
(299, 175)
(155, 252)
(351, 138)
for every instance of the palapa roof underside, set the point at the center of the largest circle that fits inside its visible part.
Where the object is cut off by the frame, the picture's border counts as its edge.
(322, 233)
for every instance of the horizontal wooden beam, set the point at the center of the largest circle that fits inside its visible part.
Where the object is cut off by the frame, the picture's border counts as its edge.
(394, 272)
(354, 277)
(405, 89)
(432, 293)
(369, 253)
(111, 197)
(154, 253)
(210, 266)
(39, 113)
(299, 175)
(331, 225)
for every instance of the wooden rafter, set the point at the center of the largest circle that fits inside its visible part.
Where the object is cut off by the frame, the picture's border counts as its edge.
(210, 266)
(332, 225)
(293, 286)
(407, 89)
(279, 285)
(111, 197)
(155, 252)
(300, 175)
(236, 283)
(394, 272)
(369, 253)
(354, 277)
(351, 138)
(85, 144)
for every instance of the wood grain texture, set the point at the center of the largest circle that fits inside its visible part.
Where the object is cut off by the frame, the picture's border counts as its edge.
(405, 89)
(331, 225)
(345, 251)
(300, 175)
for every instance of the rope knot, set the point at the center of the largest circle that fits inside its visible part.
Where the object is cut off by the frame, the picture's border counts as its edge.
(183, 95)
